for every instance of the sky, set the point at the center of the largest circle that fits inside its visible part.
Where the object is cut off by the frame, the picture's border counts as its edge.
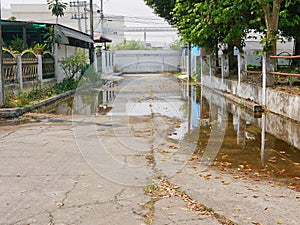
(117, 7)
(136, 12)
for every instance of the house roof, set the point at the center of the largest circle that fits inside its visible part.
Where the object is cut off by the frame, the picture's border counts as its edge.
(98, 38)
(71, 33)
(68, 36)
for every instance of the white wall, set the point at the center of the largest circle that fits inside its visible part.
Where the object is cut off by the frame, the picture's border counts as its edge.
(147, 61)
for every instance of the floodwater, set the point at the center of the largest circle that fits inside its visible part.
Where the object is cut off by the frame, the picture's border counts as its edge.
(227, 137)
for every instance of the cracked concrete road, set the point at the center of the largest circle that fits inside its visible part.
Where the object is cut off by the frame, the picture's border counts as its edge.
(46, 177)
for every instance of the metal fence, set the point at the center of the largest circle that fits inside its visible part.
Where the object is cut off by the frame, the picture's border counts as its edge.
(9, 67)
(24, 67)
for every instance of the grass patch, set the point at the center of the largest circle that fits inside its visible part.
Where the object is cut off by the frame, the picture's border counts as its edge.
(21, 99)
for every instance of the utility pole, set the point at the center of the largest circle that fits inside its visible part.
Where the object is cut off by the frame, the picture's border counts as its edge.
(91, 50)
(101, 18)
(189, 61)
(77, 14)
(2, 91)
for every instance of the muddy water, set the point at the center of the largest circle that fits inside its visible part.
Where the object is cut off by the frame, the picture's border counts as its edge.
(235, 140)
(228, 137)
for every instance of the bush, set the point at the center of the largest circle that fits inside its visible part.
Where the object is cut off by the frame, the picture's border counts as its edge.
(74, 64)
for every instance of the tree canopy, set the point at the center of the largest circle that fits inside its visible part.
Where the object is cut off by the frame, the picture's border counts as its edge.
(208, 23)
(57, 8)
(163, 8)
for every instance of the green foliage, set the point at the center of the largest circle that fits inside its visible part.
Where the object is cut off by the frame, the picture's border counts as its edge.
(130, 45)
(163, 8)
(17, 44)
(38, 46)
(176, 45)
(28, 98)
(12, 18)
(91, 76)
(57, 8)
(292, 80)
(290, 21)
(208, 23)
(75, 63)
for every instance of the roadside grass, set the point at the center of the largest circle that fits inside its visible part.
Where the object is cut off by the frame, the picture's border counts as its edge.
(22, 99)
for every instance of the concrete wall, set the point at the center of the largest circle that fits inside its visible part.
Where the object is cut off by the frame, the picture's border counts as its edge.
(147, 61)
(283, 129)
(277, 102)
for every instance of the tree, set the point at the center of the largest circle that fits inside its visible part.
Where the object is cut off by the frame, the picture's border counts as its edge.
(289, 23)
(73, 64)
(209, 23)
(57, 8)
(177, 45)
(163, 8)
(130, 45)
(12, 18)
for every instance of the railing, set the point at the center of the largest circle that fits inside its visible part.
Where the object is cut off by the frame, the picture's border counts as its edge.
(284, 73)
(20, 68)
(48, 66)
(9, 67)
(29, 66)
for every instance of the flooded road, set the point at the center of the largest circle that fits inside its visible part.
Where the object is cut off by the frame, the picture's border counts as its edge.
(228, 136)
(149, 150)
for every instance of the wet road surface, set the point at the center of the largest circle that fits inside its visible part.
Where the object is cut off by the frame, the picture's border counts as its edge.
(147, 154)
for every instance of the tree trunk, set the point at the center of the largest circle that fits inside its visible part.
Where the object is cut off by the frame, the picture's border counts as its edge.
(271, 11)
(232, 59)
(296, 62)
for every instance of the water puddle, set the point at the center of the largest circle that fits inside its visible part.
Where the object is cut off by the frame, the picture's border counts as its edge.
(227, 137)
(265, 147)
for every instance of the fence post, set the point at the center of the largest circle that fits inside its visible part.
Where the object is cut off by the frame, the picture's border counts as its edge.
(267, 79)
(242, 67)
(202, 68)
(40, 69)
(19, 71)
(210, 66)
(103, 53)
(58, 75)
(225, 66)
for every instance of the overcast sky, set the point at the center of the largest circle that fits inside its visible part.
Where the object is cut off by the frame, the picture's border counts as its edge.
(136, 11)
(119, 7)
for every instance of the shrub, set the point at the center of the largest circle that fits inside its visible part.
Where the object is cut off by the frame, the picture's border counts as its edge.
(74, 64)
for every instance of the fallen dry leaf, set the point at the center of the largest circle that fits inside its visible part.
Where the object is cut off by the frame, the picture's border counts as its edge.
(225, 182)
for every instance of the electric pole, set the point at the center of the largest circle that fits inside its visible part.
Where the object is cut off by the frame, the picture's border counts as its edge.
(77, 13)
(101, 18)
(2, 80)
(91, 50)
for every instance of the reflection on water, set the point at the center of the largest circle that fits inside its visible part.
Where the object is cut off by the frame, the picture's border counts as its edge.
(93, 101)
(229, 137)
(234, 139)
